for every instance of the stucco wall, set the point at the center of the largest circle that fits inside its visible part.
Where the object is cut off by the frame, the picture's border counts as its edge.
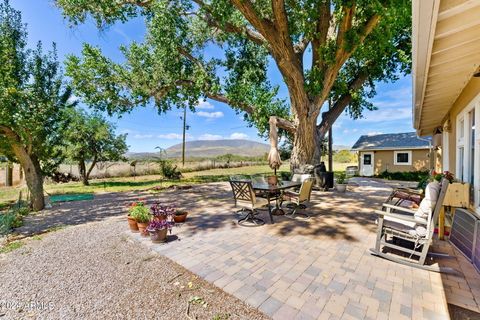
(384, 160)
(471, 90)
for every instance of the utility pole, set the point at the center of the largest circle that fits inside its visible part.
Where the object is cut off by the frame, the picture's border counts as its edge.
(184, 131)
(330, 151)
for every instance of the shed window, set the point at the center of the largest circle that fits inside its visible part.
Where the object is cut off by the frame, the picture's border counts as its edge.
(402, 158)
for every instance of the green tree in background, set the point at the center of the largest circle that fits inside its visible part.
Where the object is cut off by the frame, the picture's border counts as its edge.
(32, 103)
(324, 49)
(344, 156)
(90, 139)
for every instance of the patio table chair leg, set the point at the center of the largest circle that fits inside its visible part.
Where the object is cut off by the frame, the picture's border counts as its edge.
(270, 209)
(250, 220)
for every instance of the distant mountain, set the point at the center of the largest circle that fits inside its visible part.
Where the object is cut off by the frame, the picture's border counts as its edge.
(213, 148)
(208, 149)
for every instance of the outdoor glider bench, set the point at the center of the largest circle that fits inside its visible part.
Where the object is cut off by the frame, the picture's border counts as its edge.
(405, 235)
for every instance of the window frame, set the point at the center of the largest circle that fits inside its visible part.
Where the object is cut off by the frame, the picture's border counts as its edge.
(396, 152)
(464, 140)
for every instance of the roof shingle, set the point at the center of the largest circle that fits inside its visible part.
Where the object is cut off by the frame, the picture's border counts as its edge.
(391, 141)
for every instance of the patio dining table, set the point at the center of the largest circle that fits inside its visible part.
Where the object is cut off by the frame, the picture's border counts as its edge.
(271, 190)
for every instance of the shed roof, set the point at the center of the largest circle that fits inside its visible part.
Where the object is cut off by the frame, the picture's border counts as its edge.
(407, 140)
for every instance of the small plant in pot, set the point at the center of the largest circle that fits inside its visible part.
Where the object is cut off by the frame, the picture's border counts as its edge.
(180, 216)
(142, 215)
(158, 230)
(161, 212)
(341, 182)
(132, 208)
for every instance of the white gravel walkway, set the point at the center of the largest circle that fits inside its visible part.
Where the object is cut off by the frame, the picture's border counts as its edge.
(93, 271)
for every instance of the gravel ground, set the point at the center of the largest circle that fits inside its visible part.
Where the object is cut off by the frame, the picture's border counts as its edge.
(94, 271)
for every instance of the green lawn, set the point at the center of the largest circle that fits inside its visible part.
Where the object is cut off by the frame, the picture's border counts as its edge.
(145, 182)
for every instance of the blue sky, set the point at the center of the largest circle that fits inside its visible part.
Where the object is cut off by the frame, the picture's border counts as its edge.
(146, 129)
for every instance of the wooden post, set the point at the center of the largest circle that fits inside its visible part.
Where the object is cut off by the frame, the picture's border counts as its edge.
(9, 175)
(441, 223)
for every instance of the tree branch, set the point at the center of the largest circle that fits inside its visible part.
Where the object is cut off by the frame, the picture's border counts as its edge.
(251, 34)
(332, 72)
(320, 38)
(330, 116)
(264, 26)
(287, 125)
(222, 98)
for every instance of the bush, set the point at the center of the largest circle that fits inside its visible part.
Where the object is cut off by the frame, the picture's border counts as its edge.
(169, 170)
(13, 218)
(405, 176)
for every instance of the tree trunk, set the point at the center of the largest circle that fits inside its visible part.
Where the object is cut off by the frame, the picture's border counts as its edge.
(82, 170)
(31, 167)
(306, 144)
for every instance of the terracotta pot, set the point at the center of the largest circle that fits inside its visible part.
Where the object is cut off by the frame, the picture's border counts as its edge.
(158, 236)
(272, 180)
(160, 218)
(142, 226)
(132, 223)
(179, 218)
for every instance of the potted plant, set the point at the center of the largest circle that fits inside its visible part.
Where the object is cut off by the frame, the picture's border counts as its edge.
(142, 216)
(158, 230)
(132, 222)
(161, 212)
(180, 216)
(341, 180)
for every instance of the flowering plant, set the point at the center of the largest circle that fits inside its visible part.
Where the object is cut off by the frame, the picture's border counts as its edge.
(156, 225)
(158, 210)
(139, 212)
(438, 176)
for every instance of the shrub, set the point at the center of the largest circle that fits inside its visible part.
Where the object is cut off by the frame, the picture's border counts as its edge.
(405, 176)
(13, 218)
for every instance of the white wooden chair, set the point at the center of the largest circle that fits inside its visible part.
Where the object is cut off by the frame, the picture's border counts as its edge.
(400, 223)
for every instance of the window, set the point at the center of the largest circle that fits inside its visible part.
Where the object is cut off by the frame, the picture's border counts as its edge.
(367, 159)
(402, 158)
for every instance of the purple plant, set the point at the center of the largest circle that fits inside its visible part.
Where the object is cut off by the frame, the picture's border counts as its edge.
(156, 225)
(159, 210)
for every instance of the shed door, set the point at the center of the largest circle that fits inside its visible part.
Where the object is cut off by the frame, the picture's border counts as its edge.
(366, 164)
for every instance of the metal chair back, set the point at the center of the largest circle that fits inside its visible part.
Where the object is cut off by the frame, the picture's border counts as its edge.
(243, 191)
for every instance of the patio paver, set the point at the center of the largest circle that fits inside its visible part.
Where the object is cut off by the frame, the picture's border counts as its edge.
(316, 268)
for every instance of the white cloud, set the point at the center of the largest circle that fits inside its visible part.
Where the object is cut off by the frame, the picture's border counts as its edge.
(350, 130)
(374, 133)
(238, 135)
(143, 136)
(208, 136)
(172, 136)
(392, 114)
(210, 115)
(205, 105)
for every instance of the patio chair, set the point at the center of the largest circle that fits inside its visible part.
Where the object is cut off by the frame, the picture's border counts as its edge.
(411, 231)
(401, 195)
(297, 200)
(244, 197)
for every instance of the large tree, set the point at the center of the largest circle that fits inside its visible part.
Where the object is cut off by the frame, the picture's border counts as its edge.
(32, 101)
(90, 139)
(323, 49)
